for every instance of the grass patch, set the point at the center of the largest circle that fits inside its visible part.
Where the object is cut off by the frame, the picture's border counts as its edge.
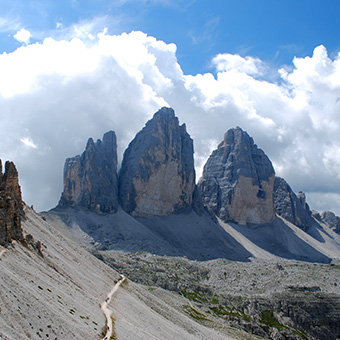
(221, 311)
(195, 314)
(336, 267)
(200, 297)
(268, 318)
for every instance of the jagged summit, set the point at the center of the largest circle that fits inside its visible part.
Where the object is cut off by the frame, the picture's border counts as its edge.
(11, 205)
(157, 177)
(290, 206)
(90, 180)
(237, 181)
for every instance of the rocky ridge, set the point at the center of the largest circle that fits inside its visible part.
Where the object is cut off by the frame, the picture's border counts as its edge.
(237, 181)
(329, 218)
(290, 206)
(157, 177)
(90, 180)
(11, 205)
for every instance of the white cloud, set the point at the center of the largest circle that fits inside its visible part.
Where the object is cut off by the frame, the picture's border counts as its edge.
(28, 142)
(234, 62)
(54, 95)
(23, 36)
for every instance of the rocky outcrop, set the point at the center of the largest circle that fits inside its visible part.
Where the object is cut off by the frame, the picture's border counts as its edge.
(157, 177)
(291, 207)
(237, 181)
(90, 180)
(329, 218)
(11, 205)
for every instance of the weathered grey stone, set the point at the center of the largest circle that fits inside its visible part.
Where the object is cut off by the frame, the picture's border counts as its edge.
(291, 207)
(329, 218)
(90, 180)
(237, 181)
(11, 205)
(157, 177)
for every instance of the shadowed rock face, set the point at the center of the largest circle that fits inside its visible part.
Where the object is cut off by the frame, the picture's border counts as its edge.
(329, 218)
(157, 176)
(291, 207)
(11, 205)
(90, 180)
(237, 181)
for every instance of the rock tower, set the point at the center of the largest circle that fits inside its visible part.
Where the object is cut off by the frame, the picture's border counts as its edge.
(90, 180)
(237, 181)
(157, 177)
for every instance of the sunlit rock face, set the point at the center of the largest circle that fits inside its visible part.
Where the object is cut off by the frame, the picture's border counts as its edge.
(11, 205)
(237, 181)
(157, 177)
(290, 206)
(90, 180)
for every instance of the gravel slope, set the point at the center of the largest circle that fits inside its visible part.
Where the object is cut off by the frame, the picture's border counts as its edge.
(58, 295)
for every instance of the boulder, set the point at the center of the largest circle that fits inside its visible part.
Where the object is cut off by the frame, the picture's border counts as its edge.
(90, 180)
(11, 205)
(157, 177)
(237, 181)
(291, 207)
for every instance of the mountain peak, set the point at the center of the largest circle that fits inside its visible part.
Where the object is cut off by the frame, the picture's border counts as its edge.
(11, 205)
(238, 179)
(157, 175)
(90, 180)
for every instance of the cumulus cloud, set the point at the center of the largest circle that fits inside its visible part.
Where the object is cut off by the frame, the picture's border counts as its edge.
(23, 36)
(56, 94)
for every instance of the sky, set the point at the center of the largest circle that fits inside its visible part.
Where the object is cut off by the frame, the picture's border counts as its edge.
(73, 69)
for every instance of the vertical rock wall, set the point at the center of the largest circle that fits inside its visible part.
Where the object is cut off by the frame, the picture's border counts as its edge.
(237, 181)
(291, 207)
(157, 177)
(11, 205)
(90, 180)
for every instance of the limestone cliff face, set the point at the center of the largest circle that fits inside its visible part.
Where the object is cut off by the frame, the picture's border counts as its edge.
(90, 180)
(329, 218)
(237, 181)
(11, 205)
(157, 176)
(291, 207)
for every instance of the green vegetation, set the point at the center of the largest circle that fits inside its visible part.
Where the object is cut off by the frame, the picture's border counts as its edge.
(195, 314)
(200, 297)
(268, 318)
(221, 311)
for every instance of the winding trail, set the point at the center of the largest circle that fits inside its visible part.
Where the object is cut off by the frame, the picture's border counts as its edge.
(2, 252)
(107, 311)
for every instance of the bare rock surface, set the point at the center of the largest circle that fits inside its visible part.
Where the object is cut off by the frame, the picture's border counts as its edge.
(90, 180)
(329, 218)
(11, 205)
(237, 181)
(157, 177)
(58, 296)
(290, 206)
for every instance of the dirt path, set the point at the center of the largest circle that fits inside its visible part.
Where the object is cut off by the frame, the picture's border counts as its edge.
(107, 311)
(2, 252)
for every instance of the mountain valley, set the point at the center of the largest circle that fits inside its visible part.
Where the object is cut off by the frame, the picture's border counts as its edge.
(238, 255)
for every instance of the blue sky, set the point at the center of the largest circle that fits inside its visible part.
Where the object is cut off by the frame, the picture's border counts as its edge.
(275, 31)
(73, 69)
